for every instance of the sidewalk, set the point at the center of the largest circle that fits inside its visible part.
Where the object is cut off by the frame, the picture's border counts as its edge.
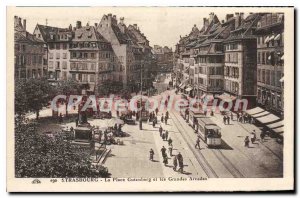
(261, 159)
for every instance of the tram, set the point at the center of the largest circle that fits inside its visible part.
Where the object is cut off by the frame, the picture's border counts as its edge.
(193, 115)
(209, 132)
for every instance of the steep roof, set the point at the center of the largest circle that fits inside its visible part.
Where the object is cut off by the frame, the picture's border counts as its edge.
(22, 36)
(88, 33)
(46, 31)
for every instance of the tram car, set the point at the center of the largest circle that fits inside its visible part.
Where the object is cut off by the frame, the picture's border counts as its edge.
(209, 132)
(193, 115)
(145, 113)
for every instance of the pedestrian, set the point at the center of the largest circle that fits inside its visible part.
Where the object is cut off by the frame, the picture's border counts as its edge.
(170, 149)
(167, 135)
(170, 141)
(228, 120)
(175, 163)
(163, 136)
(231, 115)
(162, 118)
(160, 131)
(247, 141)
(153, 124)
(224, 119)
(253, 136)
(205, 112)
(238, 116)
(118, 113)
(76, 121)
(198, 143)
(165, 160)
(240, 119)
(166, 120)
(167, 115)
(163, 151)
(156, 110)
(60, 119)
(212, 113)
(262, 136)
(180, 162)
(151, 154)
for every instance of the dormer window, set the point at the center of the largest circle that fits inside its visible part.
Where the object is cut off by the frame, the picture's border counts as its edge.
(80, 35)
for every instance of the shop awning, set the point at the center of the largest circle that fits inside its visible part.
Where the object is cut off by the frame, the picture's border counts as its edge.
(255, 111)
(271, 38)
(188, 89)
(276, 124)
(226, 97)
(281, 79)
(267, 39)
(277, 37)
(278, 130)
(264, 113)
(268, 118)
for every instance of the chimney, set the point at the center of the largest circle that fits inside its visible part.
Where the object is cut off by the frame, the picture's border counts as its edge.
(122, 20)
(237, 20)
(135, 26)
(78, 24)
(96, 24)
(16, 20)
(211, 17)
(20, 21)
(70, 27)
(228, 16)
(114, 16)
(205, 23)
(24, 24)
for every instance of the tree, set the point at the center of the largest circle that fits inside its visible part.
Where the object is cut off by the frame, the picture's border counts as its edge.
(32, 95)
(67, 88)
(50, 157)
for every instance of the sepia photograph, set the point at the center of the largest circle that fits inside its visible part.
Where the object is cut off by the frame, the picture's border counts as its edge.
(150, 99)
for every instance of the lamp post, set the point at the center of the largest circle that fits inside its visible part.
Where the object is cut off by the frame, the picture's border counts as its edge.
(141, 124)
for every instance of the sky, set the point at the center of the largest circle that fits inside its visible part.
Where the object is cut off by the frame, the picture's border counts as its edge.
(162, 25)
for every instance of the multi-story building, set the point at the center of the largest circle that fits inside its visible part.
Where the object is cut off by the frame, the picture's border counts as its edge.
(130, 46)
(29, 53)
(58, 42)
(240, 60)
(270, 61)
(209, 58)
(164, 57)
(92, 60)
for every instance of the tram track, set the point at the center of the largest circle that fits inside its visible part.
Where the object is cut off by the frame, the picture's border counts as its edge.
(209, 171)
(229, 166)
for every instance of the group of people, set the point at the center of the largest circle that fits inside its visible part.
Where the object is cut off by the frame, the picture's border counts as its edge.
(252, 138)
(177, 159)
(244, 118)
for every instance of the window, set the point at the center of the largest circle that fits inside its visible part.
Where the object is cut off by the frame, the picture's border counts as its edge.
(57, 46)
(64, 65)
(57, 55)
(272, 78)
(23, 48)
(92, 55)
(50, 55)
(73, 76)
(278, 77)
(73, 66)
(93, 67)
(64, 46)
(92, 78)
(258, 58)
(259, 75)
(263, 58)
(85, 55)
(57, 66)
(64, 55)
(64, 75)
(51, 46)
(73, 54)
(50, 66)
(84, 77)
(263, 76)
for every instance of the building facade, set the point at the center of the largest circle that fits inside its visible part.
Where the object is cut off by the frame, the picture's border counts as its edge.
(92, 60)
(58, 42)
(164, 57)
(270, 61)
(240, 60)
(30, 53)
